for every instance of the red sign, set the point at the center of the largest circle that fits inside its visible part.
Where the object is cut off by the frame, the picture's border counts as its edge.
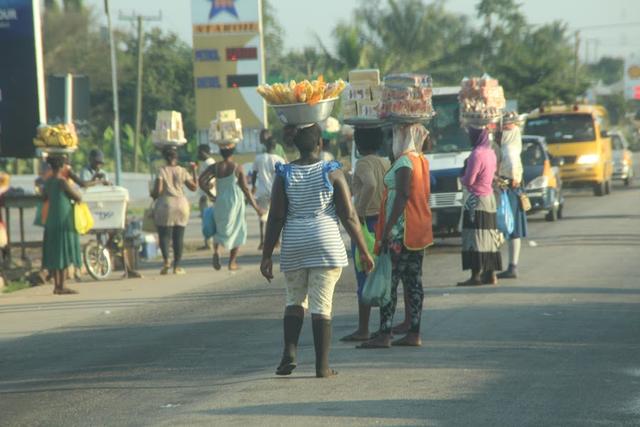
(240, 53)
(636, 92)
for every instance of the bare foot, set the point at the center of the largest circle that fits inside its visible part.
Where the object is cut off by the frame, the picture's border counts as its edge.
(381, 341)
(234, 266)
(409, 340)
(328, 373)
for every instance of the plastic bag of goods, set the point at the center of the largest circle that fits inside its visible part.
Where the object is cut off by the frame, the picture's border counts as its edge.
(408, 95)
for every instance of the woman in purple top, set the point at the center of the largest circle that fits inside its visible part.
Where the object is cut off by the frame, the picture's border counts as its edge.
(481, 239)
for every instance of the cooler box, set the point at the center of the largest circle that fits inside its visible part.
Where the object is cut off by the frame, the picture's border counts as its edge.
(108, 205)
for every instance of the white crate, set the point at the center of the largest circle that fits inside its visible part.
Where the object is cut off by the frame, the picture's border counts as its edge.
(108, 205)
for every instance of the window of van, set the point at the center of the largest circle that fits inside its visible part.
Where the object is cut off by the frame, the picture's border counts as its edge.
(558, 128)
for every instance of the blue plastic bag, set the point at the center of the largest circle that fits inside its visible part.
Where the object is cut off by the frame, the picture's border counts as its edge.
(377, 288)
(504, 214)
(208, 223)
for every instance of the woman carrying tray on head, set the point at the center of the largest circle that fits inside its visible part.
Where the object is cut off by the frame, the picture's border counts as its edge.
(480, 236)
(171, 209)
(309, 195)
(61, 246)
(511, 172)
(405, 229)
(229, 215)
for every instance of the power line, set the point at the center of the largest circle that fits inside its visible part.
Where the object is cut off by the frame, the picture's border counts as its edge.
(607, 26)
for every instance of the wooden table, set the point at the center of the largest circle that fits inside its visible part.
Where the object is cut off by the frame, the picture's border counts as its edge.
(20, 202)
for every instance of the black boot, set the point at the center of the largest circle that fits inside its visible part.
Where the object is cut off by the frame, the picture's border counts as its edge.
(322, 342)
(292, 327)
(510, 273)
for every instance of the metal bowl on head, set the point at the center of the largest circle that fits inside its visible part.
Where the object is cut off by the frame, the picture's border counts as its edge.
(303, 113)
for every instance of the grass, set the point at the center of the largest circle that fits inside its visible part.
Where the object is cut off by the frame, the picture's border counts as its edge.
(15, 286)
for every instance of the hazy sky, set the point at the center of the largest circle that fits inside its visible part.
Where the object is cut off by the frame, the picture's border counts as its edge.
(302, 18)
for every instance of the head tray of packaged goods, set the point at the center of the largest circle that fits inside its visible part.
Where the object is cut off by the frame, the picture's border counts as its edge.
(408, 80)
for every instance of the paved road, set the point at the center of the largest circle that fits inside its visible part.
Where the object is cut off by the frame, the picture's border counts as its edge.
(559, 347)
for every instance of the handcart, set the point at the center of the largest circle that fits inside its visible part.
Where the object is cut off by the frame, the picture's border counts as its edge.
(108, 205)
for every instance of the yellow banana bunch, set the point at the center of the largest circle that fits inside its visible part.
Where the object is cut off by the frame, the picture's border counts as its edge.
(59, 136)
(310, 92)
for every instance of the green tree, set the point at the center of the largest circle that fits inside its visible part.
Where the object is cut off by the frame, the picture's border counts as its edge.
(608, 69)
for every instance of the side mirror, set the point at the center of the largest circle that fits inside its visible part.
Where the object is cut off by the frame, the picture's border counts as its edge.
(557, 161)
(604, 134)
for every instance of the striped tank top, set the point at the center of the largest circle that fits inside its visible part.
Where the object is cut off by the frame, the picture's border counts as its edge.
(311, 236)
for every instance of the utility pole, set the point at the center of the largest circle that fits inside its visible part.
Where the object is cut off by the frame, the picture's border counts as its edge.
(139, 20)
(576, 59)
(116, 106)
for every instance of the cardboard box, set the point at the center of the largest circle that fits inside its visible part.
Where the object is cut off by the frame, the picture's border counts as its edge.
(370, 77)
(227, 115)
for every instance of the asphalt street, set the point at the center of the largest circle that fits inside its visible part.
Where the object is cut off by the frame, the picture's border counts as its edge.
(560, 346)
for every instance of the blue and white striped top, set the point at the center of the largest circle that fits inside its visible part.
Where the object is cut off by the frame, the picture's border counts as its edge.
(311, 236)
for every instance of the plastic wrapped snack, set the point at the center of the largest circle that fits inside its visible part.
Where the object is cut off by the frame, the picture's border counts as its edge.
(362, 100)
(483, 96)
(408, 95)
(169, 129)
(226, 128)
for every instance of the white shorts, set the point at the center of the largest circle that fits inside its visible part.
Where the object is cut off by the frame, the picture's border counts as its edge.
(312, 288)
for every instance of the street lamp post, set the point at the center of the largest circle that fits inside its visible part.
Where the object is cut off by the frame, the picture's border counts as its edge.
(116, 108)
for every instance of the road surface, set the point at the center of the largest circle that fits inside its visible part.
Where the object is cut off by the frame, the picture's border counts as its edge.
(560, 346)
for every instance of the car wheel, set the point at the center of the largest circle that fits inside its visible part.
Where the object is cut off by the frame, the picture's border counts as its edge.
(599, 189)
(552, 215)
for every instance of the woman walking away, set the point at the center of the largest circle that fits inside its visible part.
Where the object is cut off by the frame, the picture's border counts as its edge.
(511, 173)
(309, 195)
(264, 170)
(232, 190)
(171, 209)
(480, 237)
(61, 247)
(404, 229)
(368, 190)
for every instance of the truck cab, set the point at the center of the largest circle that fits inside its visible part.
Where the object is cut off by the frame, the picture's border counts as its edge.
(578, 134)
(448, 149)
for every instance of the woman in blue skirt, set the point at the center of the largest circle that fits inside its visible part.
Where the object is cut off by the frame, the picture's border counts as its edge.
(511, 172)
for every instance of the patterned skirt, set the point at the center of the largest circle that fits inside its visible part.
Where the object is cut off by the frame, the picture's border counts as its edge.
(481, 239)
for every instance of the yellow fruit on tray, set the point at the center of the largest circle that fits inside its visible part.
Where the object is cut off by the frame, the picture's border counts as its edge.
(310, 92)
(56, 136)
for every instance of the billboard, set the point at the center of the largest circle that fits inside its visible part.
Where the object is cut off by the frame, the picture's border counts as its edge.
(22, 103)
(228, 60)
(632, 78)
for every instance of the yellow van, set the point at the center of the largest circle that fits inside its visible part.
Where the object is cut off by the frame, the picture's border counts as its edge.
(578, 135)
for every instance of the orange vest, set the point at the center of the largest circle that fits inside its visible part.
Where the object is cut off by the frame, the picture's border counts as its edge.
(418, 231)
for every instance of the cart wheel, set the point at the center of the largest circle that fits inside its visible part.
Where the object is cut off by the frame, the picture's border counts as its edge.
(97, 259)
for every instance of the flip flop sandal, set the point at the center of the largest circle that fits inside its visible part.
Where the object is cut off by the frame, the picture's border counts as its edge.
(402, 343)
(353, 338)
(286, 368)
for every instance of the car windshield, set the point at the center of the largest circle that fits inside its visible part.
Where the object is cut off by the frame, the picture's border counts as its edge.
(446, 134)
(559, 128)
(532, 154)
